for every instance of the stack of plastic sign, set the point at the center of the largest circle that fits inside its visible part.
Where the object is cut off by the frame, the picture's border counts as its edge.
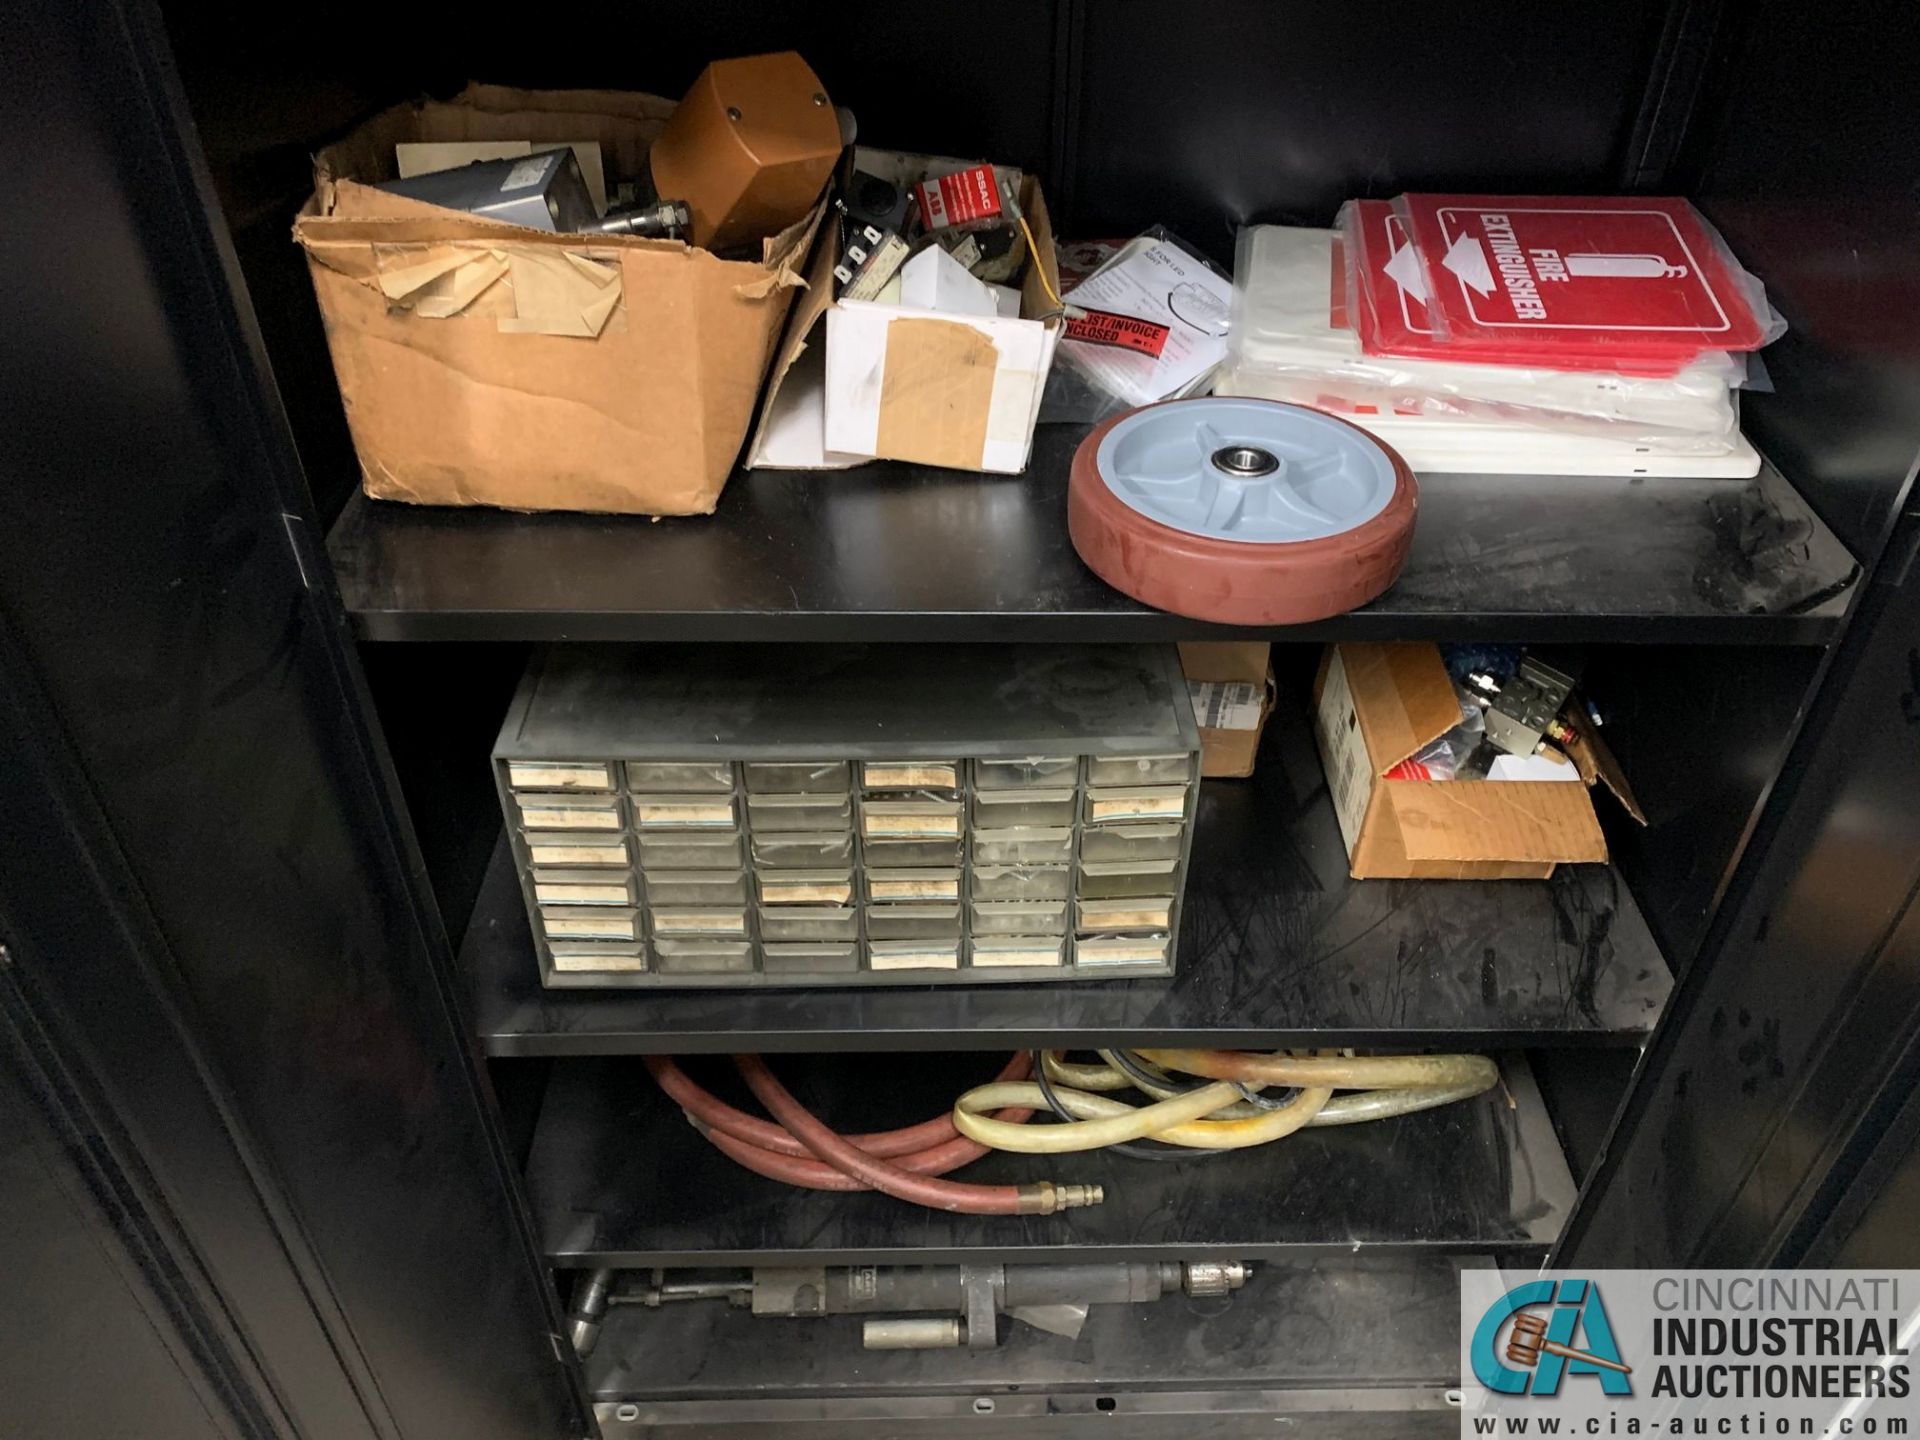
(1544, 335)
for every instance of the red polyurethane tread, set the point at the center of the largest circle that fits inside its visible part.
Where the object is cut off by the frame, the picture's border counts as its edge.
(1232, 582)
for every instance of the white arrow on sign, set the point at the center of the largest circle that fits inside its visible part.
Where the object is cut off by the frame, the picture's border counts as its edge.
(1406, 271)
(1469, 261)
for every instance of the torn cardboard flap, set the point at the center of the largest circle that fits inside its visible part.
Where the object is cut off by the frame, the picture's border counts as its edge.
(1403, 698)
(1490, 820)
(1595, 760)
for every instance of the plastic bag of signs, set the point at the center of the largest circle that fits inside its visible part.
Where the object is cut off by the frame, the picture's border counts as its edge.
(1546, 335)
(928, 326)
(526, 290)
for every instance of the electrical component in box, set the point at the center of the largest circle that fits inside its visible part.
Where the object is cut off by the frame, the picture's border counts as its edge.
(866, 199)
(749, 148)
(975, 198)
(543, 191)
(661, 220)
(912, 1307)
(1526, 709)
(868, 261)
(992, 255)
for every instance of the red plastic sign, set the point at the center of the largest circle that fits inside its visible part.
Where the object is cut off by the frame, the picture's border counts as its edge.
(1553, 274)
(1391, 285)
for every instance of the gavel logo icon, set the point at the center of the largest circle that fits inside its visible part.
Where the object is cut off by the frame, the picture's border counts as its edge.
(1528, 1342)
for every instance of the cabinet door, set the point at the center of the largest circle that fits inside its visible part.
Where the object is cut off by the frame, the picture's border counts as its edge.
(78, 1301)
(1782, 1072)
(185, 712)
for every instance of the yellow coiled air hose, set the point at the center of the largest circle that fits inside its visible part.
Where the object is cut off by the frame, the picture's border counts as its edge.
(1226, 1114)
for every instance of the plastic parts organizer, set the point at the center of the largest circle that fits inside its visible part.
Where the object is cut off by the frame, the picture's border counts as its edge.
(803, 816)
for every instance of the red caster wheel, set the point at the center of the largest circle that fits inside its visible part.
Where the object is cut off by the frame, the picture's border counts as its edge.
(1240, 511)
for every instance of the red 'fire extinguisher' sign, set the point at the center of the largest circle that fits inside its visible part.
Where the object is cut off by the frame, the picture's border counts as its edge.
(1543, 275)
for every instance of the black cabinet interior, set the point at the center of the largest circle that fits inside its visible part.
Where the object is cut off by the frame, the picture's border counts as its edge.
(1708, 610)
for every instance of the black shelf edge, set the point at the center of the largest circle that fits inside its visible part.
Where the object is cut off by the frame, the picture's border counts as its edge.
(903, 552)
(618, 1177)
(1278, 1333)
(1278, 947)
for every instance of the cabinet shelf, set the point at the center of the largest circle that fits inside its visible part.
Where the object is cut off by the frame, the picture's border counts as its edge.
(907, 552)
(617, 1176)
(1277, 1339)
(1278, 947)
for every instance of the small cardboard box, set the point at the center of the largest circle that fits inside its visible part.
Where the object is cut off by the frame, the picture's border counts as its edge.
(1376, 705)
(961, 391)
(489, 364)
(1231, 682)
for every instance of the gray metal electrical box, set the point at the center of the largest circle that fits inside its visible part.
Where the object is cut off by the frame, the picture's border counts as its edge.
(543, 191)
(831, 815)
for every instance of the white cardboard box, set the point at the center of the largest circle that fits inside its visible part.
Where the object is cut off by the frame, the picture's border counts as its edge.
(860, 380)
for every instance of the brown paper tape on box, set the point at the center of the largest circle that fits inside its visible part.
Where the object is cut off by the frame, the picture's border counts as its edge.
(935, 393)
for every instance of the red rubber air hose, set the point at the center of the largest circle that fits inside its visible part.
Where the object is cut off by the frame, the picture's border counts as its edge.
(837, 1151)
(932, 1147)
(802, 1151)
(716, 1115)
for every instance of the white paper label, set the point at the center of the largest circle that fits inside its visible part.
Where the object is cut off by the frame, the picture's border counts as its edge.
(527, 172)
(1226, 704)
(1343, 749)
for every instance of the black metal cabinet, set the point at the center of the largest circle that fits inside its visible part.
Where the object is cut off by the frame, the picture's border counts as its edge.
(206, 876)
(243, 798)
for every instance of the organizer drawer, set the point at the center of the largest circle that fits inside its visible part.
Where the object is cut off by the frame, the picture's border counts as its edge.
(1042, 771)
(680, 777)
(809, 922)
(1139, 769)
(913, 884)
(1137, 804)
(689, 850)
(770, 813)
(797, 777)
(559, 775)
(1022, 882)
(1023, 847)
(587, 922)
(583, 887)
(910, 774)
(697, 888)
(544, 848)
(698, 919)
(806, 887)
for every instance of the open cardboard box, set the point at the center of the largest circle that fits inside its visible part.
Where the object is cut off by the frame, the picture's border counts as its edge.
(1376, 705)
(483, 363)
(899, 383)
